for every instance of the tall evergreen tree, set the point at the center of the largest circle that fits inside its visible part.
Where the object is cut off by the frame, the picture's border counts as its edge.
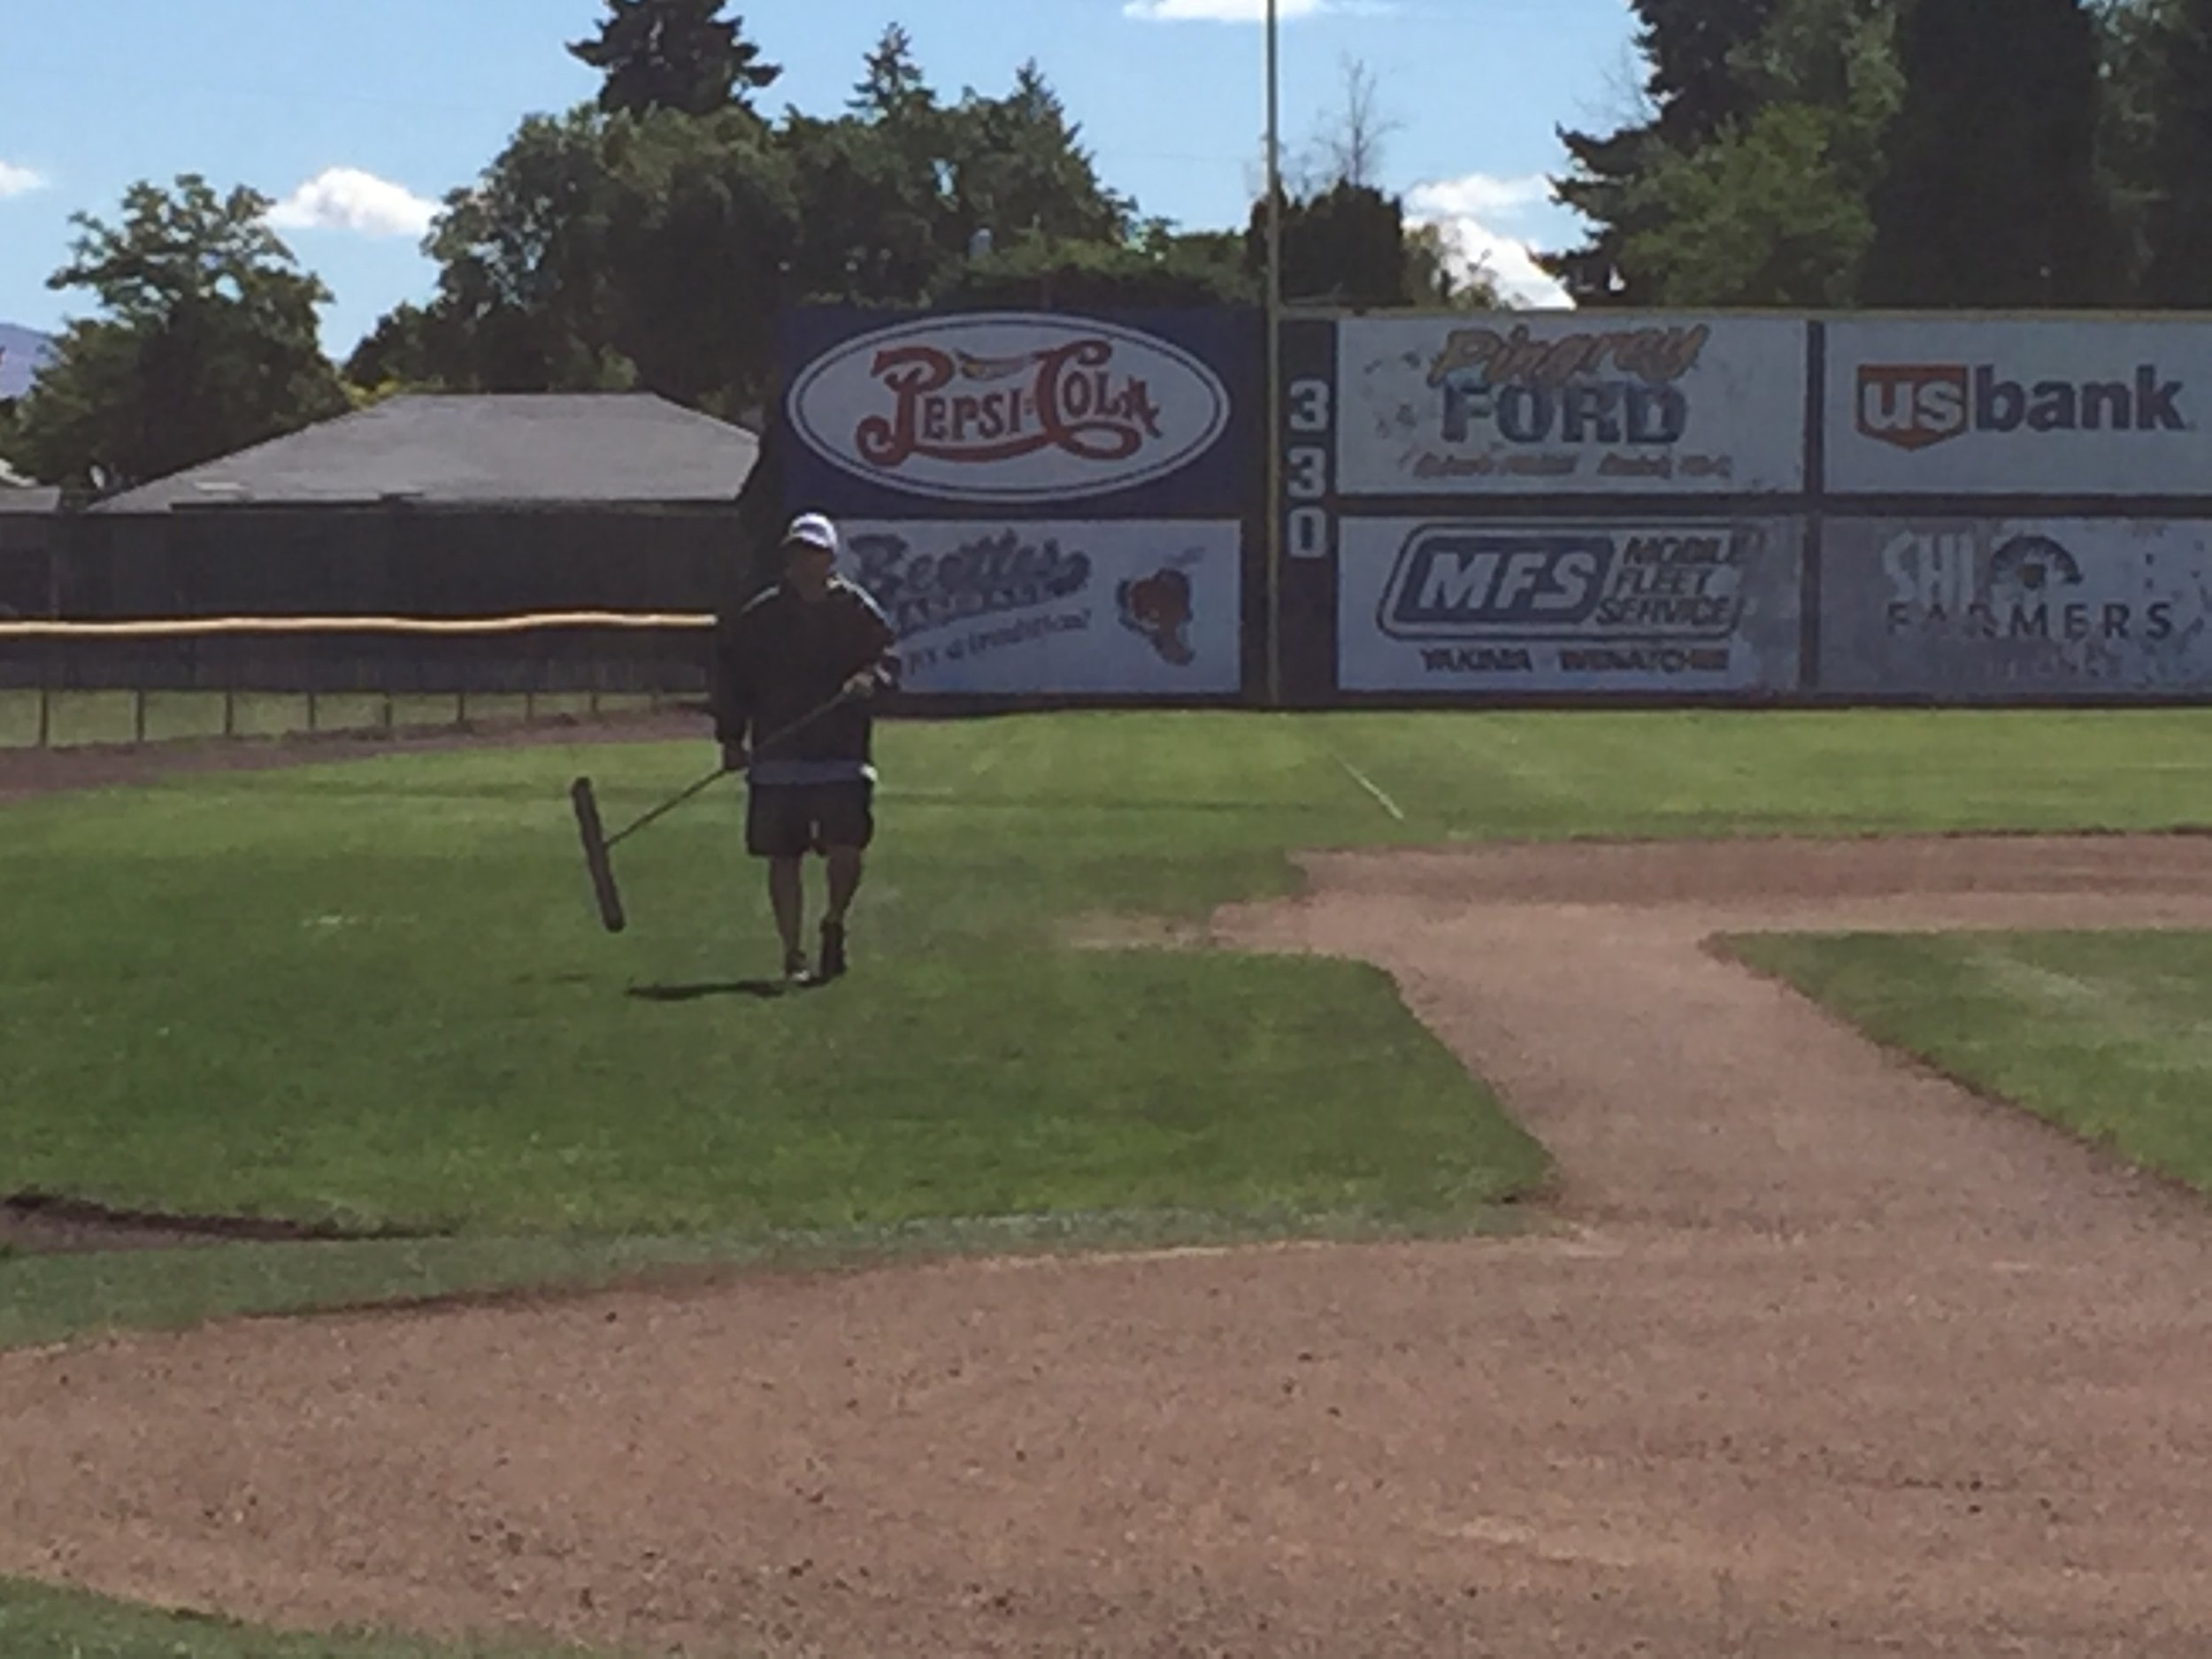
(1694, 95)
(679, 55)
(1991, 195)
(2177, 219)
(1772, 212)
(893, 85)
(1018, 168)
(1693, 45)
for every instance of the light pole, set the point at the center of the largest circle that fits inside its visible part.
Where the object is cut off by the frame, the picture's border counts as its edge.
(1272, 423)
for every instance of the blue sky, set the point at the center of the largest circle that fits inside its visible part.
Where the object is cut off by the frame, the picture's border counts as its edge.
(358, 117)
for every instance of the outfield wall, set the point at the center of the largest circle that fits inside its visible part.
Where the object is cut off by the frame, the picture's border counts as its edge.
(1514, 507)
(1543, 507)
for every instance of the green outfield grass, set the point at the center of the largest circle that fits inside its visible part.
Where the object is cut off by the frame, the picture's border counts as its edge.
(373, 994)
(2107, 1035)
(82, 718)
(41, 1624)
(375, 991)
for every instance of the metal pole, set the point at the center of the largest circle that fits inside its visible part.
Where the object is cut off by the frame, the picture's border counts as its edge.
(1273, 423)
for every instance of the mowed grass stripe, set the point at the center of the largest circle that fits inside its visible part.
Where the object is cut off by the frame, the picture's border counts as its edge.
(375, 995)
(374, 992)
(39, 1622)
(78, 719)
(1717, 773)
(2105, 1034)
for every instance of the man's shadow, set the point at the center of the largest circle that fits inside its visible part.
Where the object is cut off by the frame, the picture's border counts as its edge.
(756, 990)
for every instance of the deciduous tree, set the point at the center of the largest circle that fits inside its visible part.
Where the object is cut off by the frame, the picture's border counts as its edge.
(208, 341)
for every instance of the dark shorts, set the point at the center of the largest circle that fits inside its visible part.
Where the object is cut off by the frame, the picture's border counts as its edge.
(789, 821)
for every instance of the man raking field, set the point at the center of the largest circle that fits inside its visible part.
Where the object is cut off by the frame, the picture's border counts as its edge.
(792, 674)
(800, 663)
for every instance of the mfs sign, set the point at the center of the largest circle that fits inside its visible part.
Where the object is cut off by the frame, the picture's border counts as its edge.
(1668, 605)
(1454, 581)
(1013, 409)
(2017, 407)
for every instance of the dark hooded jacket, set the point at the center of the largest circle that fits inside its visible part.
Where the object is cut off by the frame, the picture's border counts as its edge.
(779, 659)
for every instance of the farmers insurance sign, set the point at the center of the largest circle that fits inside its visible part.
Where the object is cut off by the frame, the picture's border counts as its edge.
(2036, 608)
(1128, 608)
(2015, 407)
(1015, 411)
(1541, 608)
(1557, 403)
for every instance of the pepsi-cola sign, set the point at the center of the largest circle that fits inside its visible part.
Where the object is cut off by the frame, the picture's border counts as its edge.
(1009, 408)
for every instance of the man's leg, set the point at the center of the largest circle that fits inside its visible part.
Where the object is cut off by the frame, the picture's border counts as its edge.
(776, 830)
(846, 866)
(847, 828)
(786, 893)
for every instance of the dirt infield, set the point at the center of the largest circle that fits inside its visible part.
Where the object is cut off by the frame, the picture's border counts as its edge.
(1827, 1358)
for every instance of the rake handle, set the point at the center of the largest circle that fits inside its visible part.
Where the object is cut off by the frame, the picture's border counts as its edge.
(663, 810)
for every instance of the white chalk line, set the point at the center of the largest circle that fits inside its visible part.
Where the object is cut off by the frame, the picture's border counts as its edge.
(1369, 784)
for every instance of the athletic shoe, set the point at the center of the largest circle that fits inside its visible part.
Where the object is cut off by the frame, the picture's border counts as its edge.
(833, 965)
(796, 972)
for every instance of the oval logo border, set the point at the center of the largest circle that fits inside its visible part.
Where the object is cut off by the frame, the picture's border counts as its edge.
(940, 324)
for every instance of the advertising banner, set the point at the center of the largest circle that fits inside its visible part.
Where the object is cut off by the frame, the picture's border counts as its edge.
(1552, 608)
(2017, 406)
(1105, 609)
(1142, 414)
(2041, 608)
(1570, 403)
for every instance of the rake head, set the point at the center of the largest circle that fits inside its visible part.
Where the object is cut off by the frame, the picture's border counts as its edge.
(596, 858)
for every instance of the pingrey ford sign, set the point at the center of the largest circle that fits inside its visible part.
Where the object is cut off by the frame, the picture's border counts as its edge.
(1013, 409)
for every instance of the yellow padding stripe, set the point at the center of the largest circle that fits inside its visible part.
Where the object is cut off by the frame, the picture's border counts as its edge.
(187, 626)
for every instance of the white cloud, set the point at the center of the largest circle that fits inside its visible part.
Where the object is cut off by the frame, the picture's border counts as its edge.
(18, 181)
(345, 198)
(1478, 193)
(1467, 212)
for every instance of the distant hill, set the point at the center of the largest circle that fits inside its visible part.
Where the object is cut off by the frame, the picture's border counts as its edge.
(22, 353)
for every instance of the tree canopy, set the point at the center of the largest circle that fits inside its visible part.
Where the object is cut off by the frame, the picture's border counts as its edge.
(1846, 153)
(206, 342)
(1781, 153)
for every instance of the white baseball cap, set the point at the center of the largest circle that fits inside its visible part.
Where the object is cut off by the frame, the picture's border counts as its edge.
(812, 530)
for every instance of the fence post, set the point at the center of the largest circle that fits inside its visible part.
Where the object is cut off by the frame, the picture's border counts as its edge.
(45, 716)
(230, 711)
(138, 717)
(311, 713)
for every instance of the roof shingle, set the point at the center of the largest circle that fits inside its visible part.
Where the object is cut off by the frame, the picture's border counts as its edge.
(545, 449)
